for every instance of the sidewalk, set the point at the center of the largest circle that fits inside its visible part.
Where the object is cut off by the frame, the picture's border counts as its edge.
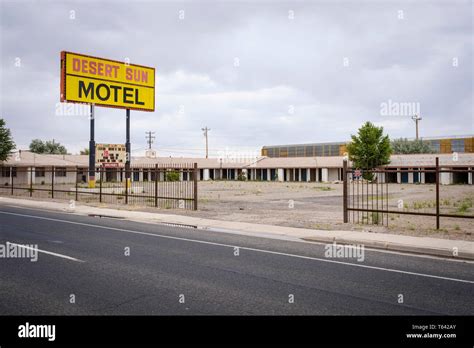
(419, 245)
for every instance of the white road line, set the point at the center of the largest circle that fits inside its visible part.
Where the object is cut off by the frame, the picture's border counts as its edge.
(47, 252)
(244, 248)
(261, 235)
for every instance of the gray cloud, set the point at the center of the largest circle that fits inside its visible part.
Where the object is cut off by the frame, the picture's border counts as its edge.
(284, 64)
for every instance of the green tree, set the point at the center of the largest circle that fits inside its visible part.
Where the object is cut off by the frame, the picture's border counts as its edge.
(84, 152)
(405, 146)
(47, 147)
(6, 141)
(369, 148)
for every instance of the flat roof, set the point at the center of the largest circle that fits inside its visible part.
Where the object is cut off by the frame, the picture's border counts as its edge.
(29, 159)
(345, 142)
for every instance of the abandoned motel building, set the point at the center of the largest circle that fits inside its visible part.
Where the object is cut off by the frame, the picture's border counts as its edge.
(320, 162)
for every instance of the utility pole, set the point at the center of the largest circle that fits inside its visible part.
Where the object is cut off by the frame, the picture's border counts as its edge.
(416, 118)
(150, 137)
(205, 130)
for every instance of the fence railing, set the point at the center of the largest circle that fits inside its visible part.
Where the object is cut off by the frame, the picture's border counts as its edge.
(166, 186)
(366, 194)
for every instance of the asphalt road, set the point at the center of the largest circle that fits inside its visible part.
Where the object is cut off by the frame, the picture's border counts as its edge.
(86, 258)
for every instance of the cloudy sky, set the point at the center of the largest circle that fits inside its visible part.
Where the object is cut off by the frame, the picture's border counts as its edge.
(255, 72)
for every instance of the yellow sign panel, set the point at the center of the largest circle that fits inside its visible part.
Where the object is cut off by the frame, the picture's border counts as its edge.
(104, 82)
(110, 155)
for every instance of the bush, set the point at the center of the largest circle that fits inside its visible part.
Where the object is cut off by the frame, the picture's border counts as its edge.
(172, 176)
(376, 218)
(241, 177)
(465, 205)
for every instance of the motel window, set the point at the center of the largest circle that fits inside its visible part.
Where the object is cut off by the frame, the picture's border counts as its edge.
(6, 172)
(39, 172)
(60, 172)
(457, 145)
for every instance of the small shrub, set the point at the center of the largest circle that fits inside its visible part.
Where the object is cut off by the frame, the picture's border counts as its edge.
(323, 188)
(376, 218)
(172, 175)
(464, 206)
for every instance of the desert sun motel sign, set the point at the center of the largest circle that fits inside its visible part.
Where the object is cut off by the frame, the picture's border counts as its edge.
(109, 83)
(105, 82)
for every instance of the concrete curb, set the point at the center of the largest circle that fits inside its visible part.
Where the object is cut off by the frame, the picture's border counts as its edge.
(383, 241)
(413, 249)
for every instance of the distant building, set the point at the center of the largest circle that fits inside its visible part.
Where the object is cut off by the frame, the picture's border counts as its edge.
(440, 145)
(25, 167)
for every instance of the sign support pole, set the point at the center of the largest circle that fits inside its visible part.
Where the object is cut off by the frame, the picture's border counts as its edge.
(127, 148)
(92, 149)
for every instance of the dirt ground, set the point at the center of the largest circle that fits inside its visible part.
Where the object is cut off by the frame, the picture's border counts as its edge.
(319, 206)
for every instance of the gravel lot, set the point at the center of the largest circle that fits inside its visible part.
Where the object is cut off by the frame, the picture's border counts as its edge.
(319, 206)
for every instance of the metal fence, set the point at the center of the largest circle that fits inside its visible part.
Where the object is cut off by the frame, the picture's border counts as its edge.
(366, 194)
(165, 186)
